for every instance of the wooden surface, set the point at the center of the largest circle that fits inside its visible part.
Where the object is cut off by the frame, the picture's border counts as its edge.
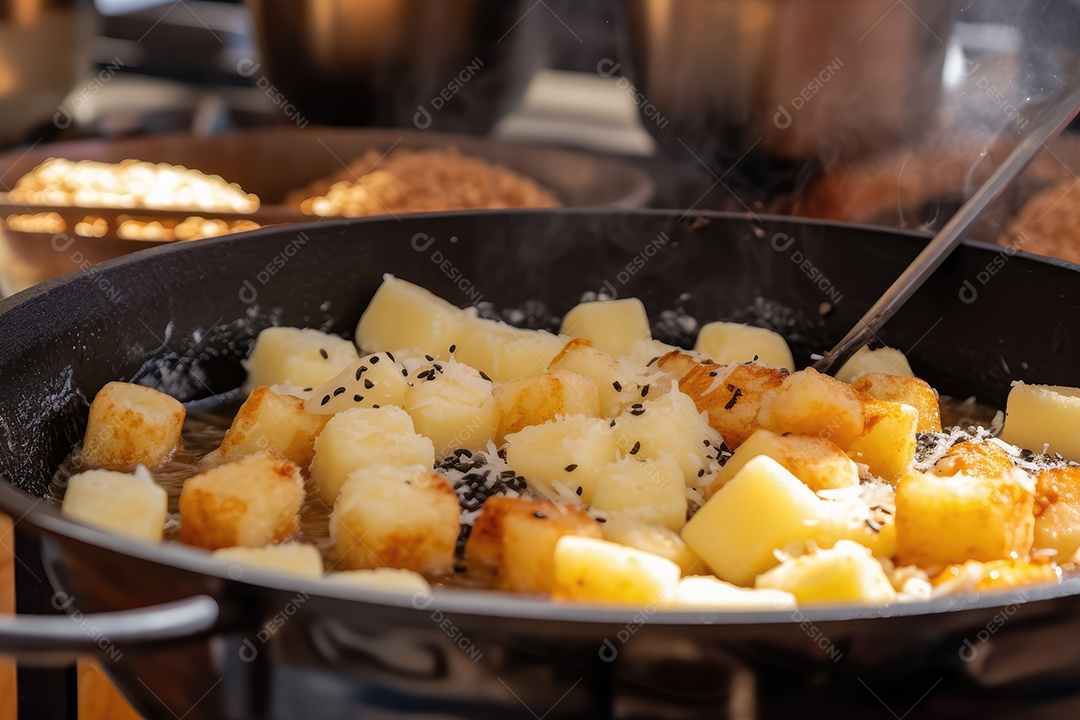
(98, 699)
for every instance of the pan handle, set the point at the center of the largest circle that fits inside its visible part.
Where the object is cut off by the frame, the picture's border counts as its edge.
(56, 639)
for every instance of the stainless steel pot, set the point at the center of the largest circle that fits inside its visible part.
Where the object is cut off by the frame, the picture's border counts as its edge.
(452, 65)
(787, 79)
(42, 46)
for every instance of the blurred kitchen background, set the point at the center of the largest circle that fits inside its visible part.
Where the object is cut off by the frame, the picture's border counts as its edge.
(878, 111)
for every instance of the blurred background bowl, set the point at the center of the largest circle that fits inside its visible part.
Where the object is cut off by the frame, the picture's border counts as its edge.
(451, 65)
(271, 162)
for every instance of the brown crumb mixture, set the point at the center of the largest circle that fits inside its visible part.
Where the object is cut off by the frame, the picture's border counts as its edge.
(418, 181)
(1049, 224)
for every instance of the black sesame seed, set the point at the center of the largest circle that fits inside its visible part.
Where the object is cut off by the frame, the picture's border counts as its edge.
(391, 356)
(644, 391)
(713, 374)
(578, 491)
(539, 515)
(308, 389)
(325, 355)
(617, 385)
(453, 349)
(375, 407)
(571, 468)
(612, 423)
(601, 520)
(484, 375)
(637, 446)
(438, 367)
(360, 371)
(326, 399)
(368, 384)
(429, 358)
(358, 398)
(637, 405)
(460, 569)
(374, 359)
(338, 391)
(707, 443)
(701, 473)
(651, 362)
(404, 372)
(734, 399)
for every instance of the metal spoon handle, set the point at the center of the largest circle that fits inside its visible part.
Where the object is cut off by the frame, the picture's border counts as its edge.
(1057, 117)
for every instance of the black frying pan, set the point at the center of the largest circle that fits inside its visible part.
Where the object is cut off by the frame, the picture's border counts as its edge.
(257, 645)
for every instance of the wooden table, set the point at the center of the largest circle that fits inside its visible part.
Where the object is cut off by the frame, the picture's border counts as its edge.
(98, 699)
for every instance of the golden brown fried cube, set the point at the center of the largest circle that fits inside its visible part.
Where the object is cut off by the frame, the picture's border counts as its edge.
(536, 399)
(251, 502)
(131, 425)
(732, 396)
(1057, 511)
(889, 441)
(404, 517)
(816, 405)
(818, 463)
(516, 538)
(270, 421)
(980, 512)
(907, 390)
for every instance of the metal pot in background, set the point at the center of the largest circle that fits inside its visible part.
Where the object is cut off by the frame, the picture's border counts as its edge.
(788, 80)
(42, 50)
(451, 65)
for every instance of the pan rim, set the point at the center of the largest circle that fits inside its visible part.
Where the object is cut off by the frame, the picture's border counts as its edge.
(46, 518)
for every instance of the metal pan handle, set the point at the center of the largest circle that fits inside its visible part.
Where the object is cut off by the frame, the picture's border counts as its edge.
(56, 639)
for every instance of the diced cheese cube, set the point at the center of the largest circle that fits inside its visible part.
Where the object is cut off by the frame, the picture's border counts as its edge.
(131, 425)
(600, 571)
(303, 357)
(558, 457)
(731, 342)
(537, 399)
(1044, 418)
(288, 558)
(709, 593)
(252, 502)
(270, 421)
(887, 360)
(612, 326)
(647, 490)
(846, 573)
(131, 505)
(365, 437)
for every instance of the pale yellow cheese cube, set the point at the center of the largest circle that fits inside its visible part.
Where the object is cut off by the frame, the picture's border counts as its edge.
(845, 573)
(504, 352)
(710, 593)
(670, 426)
(373, 381)
(600, 571)
(405, 318)
(289, 558)
(302, 357)
(611, 376)
(394, 580)
(131, 425)
(365, 437)
(888, 448)
(731, 342)
(131, 505)
(655, 539)
(559, 457)
(886, 360)
(1044, 418)
(612, 326)
(762, 509)
(454, 406)
(648, 490)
